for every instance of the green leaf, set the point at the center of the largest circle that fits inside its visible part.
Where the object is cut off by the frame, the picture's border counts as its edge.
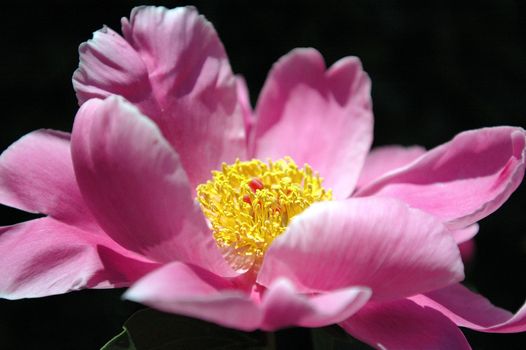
(153, 330)
(335, 338)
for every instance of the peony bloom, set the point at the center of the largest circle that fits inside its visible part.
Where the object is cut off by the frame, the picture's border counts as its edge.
(171, 184)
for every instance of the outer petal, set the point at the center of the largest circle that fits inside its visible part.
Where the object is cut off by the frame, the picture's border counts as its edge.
(316, 116)
(36, 175)
(384, 159)
(468, 309)
(174, 68)
(135, 186)
(191, 291)
(463, 180)
(44, 257)
(379, 243)
(403, 325)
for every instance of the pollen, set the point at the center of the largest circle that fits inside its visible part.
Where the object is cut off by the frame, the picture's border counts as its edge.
(250, 203)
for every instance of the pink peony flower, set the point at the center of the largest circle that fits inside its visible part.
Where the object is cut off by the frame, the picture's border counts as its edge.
(131, 201)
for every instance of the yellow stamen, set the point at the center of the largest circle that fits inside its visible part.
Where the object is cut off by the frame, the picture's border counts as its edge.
(250, 203)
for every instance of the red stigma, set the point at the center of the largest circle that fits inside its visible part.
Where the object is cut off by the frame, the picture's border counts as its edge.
(255, 184)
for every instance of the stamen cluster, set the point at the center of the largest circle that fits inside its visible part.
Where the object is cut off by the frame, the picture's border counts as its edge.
(250, 203)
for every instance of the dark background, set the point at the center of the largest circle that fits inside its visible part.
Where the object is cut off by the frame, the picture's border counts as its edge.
(437, 68)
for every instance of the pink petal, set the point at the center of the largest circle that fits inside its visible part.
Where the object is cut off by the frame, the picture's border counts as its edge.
(36, 175)
(467, 250)
(463, 180)
(191, 291)
(403, 325)
(384, 159)
(110, 66)
(136, 188)
(468, 309)
(316, 116)
(45, 256)
(465, 241)
(173, 67)
(244, 100)
(378, 243)
(465, 234)
(282, 306)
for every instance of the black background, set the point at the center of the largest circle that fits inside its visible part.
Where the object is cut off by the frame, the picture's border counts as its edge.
(437, 68)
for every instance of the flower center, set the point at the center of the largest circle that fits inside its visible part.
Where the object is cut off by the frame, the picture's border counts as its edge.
(250, 203)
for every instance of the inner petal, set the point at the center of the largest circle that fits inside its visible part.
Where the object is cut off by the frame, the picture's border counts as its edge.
(250, 203)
